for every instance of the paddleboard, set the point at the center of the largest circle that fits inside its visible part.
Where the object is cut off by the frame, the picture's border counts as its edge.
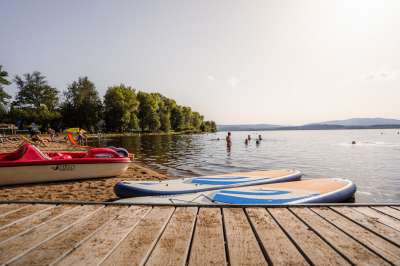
(126, 189)
(322, 190)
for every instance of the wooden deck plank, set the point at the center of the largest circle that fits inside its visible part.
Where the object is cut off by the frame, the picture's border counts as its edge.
(64, 243)
(243, 248)
(278, 246)
(347, 246)
(380, 217)
(42, 234)
(374, 220)
(319, 252)
(17, 208)
(136, 247)
(92, 251)
(369, 239)
(21, 213)
(389, 211)
(173, 246)
(208, 241)
(11, 230)
(5, 208)
(22, 243)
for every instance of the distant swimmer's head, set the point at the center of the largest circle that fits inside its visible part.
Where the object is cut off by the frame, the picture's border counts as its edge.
(353, 142)
(229, 133)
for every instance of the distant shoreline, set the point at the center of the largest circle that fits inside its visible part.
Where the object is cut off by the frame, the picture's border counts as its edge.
(311, 127)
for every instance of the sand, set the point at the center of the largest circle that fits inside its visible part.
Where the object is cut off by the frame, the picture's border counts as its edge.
(98, 189)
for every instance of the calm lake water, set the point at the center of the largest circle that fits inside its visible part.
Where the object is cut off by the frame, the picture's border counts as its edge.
(373, 163)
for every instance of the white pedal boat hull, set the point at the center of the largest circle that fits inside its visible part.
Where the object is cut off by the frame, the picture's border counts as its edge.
(59, 172)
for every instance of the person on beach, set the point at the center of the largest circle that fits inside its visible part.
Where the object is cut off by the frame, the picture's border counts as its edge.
(81, 137)
(34, 130)
(228, 140)
(52, 133)
(37, 139)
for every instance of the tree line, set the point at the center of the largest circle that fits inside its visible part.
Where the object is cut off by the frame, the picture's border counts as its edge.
(123, 108)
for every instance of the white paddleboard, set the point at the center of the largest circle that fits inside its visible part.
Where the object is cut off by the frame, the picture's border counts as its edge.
(323, 190)
(126, 189)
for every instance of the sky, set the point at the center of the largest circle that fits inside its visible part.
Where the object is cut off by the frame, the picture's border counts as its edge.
(285, 62)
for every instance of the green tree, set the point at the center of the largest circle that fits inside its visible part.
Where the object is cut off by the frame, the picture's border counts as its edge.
(213, 126)
(208, 126)
(165, 121)
(147, 113)
(35, 100)
(177, 121)
(187, 117)
(164, 106)
(3, 77)
(196, 121)
(34, 92)
(82, 106)
(4, 96)
(120, 108)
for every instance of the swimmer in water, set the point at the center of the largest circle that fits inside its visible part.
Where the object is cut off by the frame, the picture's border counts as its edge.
(228, 140)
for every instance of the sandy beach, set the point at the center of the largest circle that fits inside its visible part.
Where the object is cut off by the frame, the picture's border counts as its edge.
(99, 189)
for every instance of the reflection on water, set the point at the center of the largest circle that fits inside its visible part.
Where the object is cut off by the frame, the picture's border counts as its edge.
(373, 163)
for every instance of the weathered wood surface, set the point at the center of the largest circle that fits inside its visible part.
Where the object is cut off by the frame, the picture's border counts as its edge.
(208, 244)
(66, 234)
(173, 246)
(279, 249)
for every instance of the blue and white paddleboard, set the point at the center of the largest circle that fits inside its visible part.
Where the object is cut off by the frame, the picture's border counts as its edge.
(126, 189)
(322, 190)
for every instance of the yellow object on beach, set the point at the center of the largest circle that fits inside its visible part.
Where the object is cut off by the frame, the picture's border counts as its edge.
(75, 130)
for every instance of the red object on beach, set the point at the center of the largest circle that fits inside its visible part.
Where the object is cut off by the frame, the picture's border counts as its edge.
(73, 141)
(30, 165)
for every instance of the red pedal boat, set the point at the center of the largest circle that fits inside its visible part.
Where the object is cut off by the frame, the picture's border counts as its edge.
(30, 165)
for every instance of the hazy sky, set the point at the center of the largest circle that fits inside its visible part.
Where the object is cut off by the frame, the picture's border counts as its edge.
(280, 61)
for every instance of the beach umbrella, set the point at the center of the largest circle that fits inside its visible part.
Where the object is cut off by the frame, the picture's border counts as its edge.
(74, 130)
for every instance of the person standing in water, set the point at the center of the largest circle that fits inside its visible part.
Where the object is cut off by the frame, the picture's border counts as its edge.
(248, 137)
(228, 140)
(259, 137)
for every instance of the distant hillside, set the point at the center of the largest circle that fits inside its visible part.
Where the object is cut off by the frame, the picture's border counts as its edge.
(360, 122)
(352, 123)
(249, 127)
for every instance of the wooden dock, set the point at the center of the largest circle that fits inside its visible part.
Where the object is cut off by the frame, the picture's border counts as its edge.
(116, 234)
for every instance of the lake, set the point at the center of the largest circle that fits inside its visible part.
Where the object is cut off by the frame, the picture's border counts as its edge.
(373, 163)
